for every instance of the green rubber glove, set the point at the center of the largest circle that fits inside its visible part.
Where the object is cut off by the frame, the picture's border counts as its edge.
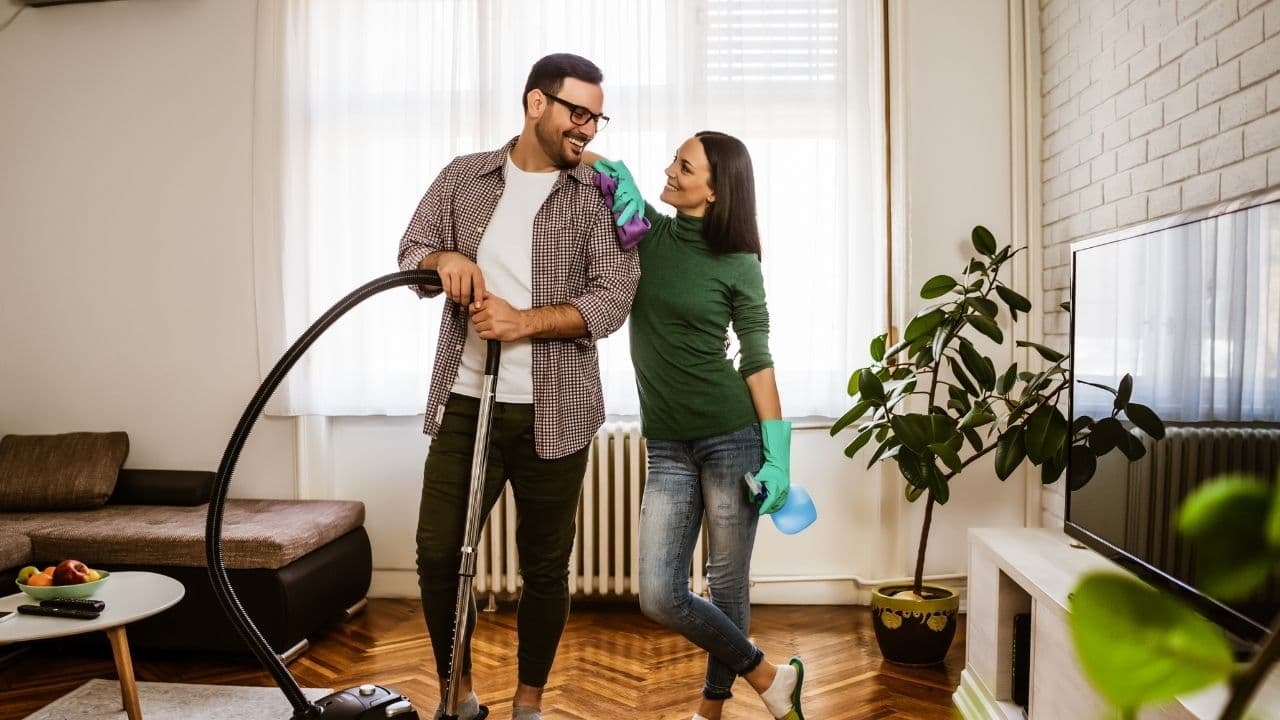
(627, 200)
(775, 474)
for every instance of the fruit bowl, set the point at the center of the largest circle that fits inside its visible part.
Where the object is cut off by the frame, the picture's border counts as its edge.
(81, 590)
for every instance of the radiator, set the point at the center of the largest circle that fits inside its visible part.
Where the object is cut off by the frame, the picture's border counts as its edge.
(606, 550)
(1173, 468)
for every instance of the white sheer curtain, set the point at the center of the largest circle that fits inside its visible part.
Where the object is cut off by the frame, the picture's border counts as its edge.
(1192, 313)
(360, 104)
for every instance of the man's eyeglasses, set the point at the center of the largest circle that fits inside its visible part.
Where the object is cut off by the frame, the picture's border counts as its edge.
(579, 115)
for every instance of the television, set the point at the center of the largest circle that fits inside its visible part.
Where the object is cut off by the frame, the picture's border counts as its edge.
(1190, 307)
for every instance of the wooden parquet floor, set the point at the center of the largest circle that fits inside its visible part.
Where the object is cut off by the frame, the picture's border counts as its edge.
(613, 663)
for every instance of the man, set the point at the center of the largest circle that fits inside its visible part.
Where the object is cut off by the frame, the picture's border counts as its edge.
(527, 254)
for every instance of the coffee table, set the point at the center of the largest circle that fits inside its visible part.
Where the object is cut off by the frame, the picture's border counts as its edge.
(129, 596)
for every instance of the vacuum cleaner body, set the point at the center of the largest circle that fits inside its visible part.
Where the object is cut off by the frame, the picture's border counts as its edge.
(366, 702)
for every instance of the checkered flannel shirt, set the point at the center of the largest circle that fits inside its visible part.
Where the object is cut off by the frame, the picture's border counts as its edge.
(576, 261)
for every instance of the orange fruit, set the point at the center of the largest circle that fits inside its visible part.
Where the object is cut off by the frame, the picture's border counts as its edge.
(49, 570)
(40, 580)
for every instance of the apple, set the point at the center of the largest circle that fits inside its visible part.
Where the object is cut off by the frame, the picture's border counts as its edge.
(25, 573)
(70, 572)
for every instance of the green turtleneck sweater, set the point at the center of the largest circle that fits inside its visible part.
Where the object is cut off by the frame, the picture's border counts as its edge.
(679, 323)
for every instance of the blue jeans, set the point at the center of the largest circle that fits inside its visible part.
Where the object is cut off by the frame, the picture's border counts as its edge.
(687, 479)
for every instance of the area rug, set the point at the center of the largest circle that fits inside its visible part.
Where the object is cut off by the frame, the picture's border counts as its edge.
(100, 700)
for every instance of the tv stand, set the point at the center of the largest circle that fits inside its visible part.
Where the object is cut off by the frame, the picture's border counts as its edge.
(1021, 570)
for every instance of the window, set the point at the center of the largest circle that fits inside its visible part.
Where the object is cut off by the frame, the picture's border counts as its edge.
(361, 104)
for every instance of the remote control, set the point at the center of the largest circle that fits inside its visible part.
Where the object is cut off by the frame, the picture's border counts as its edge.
(75, 604)
(58, 612)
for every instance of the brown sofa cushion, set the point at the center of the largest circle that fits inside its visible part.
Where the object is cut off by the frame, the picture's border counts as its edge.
(15, 550)
(73, 471)
(255, 533)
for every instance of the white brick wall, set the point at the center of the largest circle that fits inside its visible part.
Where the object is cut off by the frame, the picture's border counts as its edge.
(1149, 108)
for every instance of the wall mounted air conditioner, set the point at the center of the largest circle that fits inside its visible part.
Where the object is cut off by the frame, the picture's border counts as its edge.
(38, 3)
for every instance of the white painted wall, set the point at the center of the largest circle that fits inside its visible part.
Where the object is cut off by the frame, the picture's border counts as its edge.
(958, 174)
(127, 155)
(126, 256)
(1150, 108)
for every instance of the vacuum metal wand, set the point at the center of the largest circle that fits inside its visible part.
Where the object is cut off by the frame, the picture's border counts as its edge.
(471, 535)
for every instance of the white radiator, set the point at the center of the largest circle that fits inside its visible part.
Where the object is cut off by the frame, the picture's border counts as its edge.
(606, 550)
(1173, 468)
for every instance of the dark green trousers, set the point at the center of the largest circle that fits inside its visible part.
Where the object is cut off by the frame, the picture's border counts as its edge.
(546, 496)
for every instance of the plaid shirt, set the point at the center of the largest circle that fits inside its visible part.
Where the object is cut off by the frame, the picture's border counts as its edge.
(576, 261)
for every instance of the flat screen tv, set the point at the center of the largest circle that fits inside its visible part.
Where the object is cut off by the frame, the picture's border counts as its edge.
(1190, 307)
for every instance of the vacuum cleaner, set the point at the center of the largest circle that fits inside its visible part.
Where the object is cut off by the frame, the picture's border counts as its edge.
(364, 702)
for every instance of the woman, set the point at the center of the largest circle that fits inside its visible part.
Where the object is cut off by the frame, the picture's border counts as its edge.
(706, 423)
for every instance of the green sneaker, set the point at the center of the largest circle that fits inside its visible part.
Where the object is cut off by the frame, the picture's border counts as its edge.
(796, 713)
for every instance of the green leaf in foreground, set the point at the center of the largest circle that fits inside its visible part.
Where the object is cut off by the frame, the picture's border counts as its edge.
(1227, 521)
(1138, 646)
(1273, 522)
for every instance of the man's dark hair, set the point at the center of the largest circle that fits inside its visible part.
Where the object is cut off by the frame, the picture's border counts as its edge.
(730, 224)
(548, 74)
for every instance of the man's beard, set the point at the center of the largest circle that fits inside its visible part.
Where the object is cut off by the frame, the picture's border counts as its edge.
(552, 144)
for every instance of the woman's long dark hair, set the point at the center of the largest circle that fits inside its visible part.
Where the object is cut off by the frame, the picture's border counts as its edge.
(730, 223)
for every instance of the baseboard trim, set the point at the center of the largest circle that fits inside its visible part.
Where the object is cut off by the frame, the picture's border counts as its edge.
(396, 583)
(780, 591)
(970, 699)
(975, 703)
(827, 592)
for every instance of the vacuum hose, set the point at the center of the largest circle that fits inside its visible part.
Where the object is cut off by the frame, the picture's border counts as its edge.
(302, 707)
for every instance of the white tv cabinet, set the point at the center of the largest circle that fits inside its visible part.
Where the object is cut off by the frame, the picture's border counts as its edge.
(1032, 570)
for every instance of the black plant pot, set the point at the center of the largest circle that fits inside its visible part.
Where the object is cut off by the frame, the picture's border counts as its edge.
(914, 632)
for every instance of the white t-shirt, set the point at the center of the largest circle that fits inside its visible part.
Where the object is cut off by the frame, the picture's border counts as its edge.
(505, 256)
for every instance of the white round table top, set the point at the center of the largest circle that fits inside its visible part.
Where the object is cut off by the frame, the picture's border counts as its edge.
(129, 596)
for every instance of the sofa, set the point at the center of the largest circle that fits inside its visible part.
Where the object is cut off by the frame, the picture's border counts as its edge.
(296, 565)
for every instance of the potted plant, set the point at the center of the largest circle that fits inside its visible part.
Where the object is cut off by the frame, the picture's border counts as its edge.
(934, 404)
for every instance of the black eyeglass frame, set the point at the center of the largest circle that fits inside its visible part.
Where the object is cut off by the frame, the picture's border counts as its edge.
(601, 120)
